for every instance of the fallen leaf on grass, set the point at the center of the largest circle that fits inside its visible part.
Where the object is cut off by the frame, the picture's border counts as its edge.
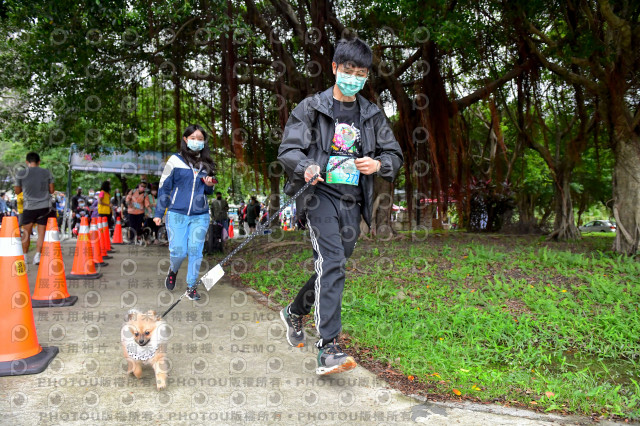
(533, 403)
(464, 370)
(457, 392)
(411, 378)
(549, 394)
(475, 388)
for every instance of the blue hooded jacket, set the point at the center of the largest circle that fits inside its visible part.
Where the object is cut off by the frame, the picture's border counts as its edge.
(182, 190)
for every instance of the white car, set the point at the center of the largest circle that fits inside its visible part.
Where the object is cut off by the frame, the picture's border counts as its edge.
(599, 226)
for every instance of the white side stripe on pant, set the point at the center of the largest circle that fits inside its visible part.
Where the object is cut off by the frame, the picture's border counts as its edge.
(318, 267)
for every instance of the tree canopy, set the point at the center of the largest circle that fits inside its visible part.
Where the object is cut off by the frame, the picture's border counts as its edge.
(511, 115)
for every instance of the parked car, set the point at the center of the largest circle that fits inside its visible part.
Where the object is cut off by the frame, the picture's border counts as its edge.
(599, 226)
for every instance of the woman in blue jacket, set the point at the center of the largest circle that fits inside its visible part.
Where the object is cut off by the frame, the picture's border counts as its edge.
(186, 181)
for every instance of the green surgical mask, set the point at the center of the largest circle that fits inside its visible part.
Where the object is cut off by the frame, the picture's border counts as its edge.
(348, 84)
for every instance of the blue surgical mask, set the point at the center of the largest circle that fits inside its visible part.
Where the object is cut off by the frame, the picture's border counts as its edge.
(195, 145)
(348, 84)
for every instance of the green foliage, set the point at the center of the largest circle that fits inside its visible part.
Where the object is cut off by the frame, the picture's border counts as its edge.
(513, 319)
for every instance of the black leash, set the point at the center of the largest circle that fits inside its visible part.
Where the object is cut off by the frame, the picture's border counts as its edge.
(260, 228)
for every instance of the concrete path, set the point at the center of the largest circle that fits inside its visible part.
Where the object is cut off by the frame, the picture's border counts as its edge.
(230, 363)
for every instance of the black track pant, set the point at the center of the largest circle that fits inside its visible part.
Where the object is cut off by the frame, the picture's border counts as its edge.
(334, 228)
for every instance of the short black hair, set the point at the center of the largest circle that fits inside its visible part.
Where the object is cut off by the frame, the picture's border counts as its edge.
(218, 193)
(33, 157)
(353, 51)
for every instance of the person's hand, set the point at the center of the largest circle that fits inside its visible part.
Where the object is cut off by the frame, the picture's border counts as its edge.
(208, 181)
(157, 221)
(367, 165)
(310, 172)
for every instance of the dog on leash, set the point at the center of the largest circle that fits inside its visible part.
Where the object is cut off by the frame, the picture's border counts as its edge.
(144, 339)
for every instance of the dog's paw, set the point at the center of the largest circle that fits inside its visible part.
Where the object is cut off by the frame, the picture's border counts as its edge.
(161, 384)
(137, 371)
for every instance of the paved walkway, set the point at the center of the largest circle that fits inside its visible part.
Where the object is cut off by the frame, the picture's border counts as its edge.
(230, 363)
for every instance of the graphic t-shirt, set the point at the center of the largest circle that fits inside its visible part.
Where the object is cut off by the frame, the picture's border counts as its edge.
(344, 181)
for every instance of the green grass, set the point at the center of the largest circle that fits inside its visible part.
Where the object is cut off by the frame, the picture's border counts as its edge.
(550, 325)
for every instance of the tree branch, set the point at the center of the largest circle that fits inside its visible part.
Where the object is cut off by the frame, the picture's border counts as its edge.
(407, 63)
(483, 92)
(562, 71)
(290, 16)
(287, 91)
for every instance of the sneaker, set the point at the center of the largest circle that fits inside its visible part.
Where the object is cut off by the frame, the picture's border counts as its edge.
(295, 333)
(192, 293)
(170, 281)
(36, 258)
(332, 360)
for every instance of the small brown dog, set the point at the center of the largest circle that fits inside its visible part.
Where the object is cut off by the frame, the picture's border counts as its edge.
(144, 339)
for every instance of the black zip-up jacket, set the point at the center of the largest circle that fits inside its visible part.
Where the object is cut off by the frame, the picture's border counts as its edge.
(307, 140)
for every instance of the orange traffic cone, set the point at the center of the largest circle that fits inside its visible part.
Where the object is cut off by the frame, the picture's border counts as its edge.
(94, 238)
(107, 237)
(231, 229)
(51, 284)
(285, 228)
(20, 352)
(83, 266)
(117, 232)
(103, 242)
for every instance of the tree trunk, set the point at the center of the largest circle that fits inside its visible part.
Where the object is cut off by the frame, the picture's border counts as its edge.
(527, 223)
(564, 227)
(382, 207)
(237, 134)
(274, 198)
(177, 111)
(626, 195)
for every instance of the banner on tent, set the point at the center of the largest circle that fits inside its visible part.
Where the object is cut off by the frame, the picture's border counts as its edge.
(127, 162)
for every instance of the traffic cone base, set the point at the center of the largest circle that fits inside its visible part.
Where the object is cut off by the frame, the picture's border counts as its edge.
(32, 365)
(54, 303)
(85, 277)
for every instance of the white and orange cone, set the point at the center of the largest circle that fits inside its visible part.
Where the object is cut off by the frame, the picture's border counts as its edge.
(51, 284)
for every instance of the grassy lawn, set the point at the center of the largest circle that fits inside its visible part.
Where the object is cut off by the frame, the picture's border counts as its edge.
(498, 318)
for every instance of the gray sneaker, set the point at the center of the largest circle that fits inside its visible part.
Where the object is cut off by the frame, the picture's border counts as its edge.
(332, 360)
(295, 332)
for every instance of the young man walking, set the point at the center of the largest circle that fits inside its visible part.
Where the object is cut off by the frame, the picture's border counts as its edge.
(323, 130)
(37, 185)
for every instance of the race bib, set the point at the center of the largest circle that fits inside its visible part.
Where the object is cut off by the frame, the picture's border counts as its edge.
(346, 173)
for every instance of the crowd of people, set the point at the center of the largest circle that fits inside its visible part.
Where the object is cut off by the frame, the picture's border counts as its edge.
(134, 210)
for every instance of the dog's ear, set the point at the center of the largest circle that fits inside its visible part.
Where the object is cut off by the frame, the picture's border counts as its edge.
(132, 315)
(154, 314)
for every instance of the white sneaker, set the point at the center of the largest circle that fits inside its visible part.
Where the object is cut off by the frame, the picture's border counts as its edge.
(36, 258)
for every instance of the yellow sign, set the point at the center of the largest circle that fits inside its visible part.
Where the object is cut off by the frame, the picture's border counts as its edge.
(20, 267)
